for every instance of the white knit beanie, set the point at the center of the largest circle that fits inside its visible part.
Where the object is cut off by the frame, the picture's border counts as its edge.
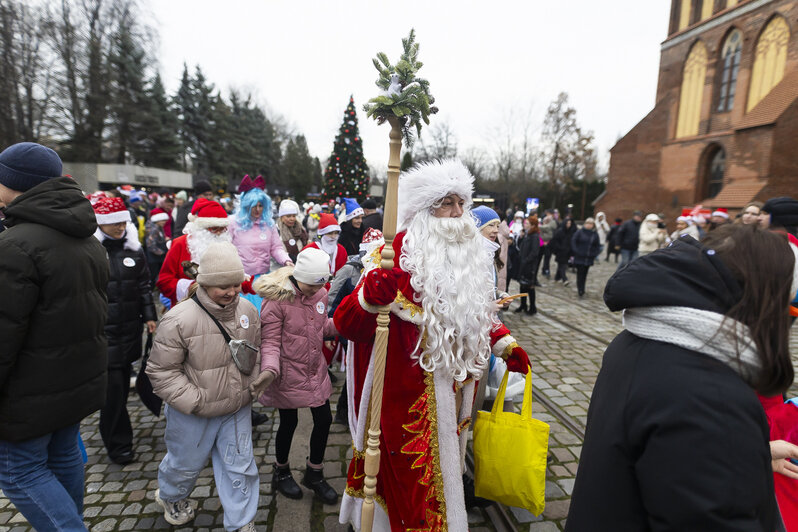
(221, 266)
(312, 266)
(288, 207)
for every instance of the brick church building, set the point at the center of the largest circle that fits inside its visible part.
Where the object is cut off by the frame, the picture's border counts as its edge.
(724, 130)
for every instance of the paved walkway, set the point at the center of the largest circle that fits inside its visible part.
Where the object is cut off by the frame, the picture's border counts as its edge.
(565, 342)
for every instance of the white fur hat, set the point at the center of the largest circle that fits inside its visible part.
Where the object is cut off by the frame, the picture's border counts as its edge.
(427, 183)
(312, 266)
(288, 207)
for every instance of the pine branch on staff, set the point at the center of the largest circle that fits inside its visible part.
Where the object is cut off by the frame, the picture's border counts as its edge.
(347, 172)
(404, 95)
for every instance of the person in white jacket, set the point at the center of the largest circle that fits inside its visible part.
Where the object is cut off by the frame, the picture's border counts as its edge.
(684, 226)
(651, 235)
(602, 229)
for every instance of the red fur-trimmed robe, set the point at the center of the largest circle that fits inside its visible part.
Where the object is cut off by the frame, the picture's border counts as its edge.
(424, 419)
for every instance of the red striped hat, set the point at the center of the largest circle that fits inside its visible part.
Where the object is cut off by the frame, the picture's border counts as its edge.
(111, 211)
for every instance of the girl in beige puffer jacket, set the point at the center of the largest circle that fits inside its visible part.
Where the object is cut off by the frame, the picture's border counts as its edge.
(208, 398)
(294, 324)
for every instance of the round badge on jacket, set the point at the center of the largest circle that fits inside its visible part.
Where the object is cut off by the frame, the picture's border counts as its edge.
(129, 262)
(264, 236)
(244, 321)
(320, 307)
(292, 242)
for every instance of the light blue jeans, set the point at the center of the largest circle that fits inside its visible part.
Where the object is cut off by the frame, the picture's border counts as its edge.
(627, 256)
(228, 441)
(43, 477)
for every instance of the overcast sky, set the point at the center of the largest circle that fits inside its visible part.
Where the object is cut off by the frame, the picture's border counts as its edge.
(488, 63)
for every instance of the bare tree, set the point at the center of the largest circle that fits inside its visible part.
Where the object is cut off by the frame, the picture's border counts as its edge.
(438, 142)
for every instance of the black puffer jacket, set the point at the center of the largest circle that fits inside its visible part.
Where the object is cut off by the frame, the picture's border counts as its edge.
(675, 440)
(53, 276)
(628, 236)
(528, 254)
(129, 297)
(351, 237)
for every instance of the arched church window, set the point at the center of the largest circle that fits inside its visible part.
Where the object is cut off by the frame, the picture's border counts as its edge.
(715, 172)
(769, 60)
(730, 59)
(692, 91)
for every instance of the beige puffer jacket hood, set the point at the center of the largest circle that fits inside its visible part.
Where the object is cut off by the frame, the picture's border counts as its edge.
(191, 366)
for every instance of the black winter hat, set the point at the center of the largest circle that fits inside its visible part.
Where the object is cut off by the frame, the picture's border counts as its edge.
(27, 164)
(369, 204)
(783, 211)
(202, 186)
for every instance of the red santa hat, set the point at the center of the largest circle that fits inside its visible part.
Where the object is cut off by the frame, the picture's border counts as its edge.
(371, 239)
(427, 183)
(328, 224)
(208, 213)
(94, 197)
(722, 212)
(158, 215)
(111, 211)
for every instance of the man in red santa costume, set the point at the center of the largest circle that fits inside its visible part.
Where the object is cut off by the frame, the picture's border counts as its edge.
(442, 330)
(328, 232)
(207, 224)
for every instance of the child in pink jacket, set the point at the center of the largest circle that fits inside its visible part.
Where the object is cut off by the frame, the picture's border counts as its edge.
(294, 324)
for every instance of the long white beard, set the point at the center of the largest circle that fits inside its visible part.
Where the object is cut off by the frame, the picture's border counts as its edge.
(199, 239)
(450, 272)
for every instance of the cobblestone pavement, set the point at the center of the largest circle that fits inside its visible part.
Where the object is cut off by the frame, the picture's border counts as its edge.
(565, 341)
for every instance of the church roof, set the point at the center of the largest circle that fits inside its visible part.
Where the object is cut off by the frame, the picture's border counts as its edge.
(774, 104)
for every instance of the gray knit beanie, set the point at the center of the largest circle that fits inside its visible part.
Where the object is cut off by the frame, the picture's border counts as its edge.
(221, 266)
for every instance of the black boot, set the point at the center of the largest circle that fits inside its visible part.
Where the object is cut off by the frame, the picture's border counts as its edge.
(471, 500)
(258, 418)
(314, 479)
(283, 481)
(533, 309)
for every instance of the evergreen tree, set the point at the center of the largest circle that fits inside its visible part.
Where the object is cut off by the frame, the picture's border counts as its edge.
(158, 145)
(299, 167)
(185, 107)
(127, 95)
(347, 172)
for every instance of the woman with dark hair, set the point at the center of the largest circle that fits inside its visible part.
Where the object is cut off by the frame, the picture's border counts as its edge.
(585, 246)
(561, 248)
(528, 256)
(676, 438)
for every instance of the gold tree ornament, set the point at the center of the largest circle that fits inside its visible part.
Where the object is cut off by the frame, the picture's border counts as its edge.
(404, 95)
(405, 102)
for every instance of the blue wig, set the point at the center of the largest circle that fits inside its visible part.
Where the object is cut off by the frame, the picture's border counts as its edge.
(249, 199)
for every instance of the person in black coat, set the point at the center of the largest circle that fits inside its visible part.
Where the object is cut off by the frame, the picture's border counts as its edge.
(612, 241)
(371, 218)
(585, 247)
(561, 248)
(130, 306)
(53, 277)
(528, 257)
(676, 438)
(628, 238)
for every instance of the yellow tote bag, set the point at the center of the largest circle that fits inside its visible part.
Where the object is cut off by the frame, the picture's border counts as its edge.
(510, 453)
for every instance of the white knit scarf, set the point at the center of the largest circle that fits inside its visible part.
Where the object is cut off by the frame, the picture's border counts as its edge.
(703, 331)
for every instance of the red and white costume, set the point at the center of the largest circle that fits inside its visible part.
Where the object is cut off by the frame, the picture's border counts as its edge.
(172, 280)
(425, 413)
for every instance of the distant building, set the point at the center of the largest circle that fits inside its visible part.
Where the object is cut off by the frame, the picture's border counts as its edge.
(93, 176)
(724, 129)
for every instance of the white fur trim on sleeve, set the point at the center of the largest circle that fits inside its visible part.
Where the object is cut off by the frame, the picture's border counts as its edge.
(368, 307)
(502, 344)
(181, 291)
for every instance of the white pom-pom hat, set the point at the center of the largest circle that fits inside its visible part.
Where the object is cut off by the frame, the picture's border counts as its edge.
(427, 183)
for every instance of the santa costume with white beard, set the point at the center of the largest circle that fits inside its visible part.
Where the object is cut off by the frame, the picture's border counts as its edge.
(329, 243)
(173, 281)
(443, 328)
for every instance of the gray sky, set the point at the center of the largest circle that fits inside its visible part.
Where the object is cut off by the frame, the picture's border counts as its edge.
(488, 63)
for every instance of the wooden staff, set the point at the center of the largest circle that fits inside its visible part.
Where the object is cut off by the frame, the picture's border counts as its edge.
(371, 465)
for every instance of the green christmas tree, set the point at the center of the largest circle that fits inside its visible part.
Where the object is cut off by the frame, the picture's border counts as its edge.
(347, 173)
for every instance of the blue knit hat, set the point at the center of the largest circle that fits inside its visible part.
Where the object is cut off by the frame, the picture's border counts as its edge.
(27, 164)
(353, 209)
(483, 215)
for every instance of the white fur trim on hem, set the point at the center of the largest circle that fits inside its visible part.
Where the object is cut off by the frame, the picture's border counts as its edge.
(502, 344)
(351, 508)
(449, 453)
(465, 412)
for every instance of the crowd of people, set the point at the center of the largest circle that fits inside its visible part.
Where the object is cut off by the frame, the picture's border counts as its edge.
(256, 298)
